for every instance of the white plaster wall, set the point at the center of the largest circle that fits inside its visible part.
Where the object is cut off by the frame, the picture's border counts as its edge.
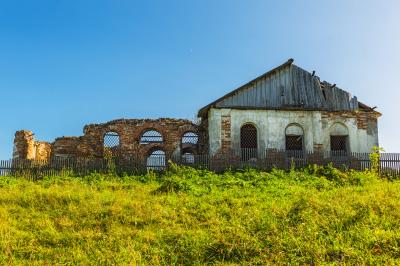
(214, 129)
(358, 139)
(271, 125)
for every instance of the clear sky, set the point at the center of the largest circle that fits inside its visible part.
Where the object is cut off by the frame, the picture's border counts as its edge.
(65, 63)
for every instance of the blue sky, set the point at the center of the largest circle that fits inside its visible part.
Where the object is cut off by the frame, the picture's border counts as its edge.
(64, 64)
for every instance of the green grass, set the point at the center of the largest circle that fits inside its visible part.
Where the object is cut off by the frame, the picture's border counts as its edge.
(316, 216)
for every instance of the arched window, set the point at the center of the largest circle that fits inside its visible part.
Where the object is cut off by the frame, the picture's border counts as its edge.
(151, 136)
(189, 146)
(156, 160)
(190, 138)
(248, 142)
(294, 138)
(111, 144)
(188, 158)
(248, 137)
(339, 135)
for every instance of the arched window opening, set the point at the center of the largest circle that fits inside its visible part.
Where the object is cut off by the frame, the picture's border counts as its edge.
(248, 142)
(188, 155)
(190, 138)
(294, 138)
(151, 136)
(111, 144)
(189, 143)
(339, 136)
(188, 158)
(156, 160)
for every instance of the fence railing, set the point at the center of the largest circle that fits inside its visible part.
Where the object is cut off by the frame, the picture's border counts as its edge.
(389, 163)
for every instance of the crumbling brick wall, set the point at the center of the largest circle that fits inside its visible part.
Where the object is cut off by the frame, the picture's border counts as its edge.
(42, 150)
(366, 119)
(364, 124)
(23, 145)
(225, 134)
(91, 144)
(26, 147)
(203, 144)
(130, 132)
(65, 147)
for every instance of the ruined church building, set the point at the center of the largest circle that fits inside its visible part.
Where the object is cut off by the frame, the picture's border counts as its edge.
(287, 108)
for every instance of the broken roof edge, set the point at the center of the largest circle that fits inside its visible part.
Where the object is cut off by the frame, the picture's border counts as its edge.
(367, 108)
(205, 109)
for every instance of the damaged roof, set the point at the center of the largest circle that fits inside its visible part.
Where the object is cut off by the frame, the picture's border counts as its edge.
(288, 87)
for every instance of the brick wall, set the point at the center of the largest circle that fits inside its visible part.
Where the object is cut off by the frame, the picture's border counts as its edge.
(65, 147)
(91, 144)
(226, 134)
(42, 150)
(203, 144)
(130, 132)
(26, 147)
(365, 119)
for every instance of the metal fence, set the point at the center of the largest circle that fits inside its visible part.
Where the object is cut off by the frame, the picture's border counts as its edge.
(389, 163)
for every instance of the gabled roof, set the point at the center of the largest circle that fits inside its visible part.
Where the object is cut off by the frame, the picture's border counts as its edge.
(287, 87)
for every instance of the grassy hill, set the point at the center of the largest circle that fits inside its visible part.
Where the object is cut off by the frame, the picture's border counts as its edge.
(313, 216)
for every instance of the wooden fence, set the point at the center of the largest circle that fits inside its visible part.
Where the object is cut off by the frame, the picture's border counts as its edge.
(389, 163)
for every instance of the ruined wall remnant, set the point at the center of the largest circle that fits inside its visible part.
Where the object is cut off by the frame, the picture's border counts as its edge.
(42, 150)
(203, 144)
(26, 147)
(128, 132)
(65, 147)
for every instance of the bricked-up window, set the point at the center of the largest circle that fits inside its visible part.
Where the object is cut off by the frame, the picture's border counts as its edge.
(111, 144)
(151, 136)
(339, 144)
(156, 160)
(190, 138)
(294, 138)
